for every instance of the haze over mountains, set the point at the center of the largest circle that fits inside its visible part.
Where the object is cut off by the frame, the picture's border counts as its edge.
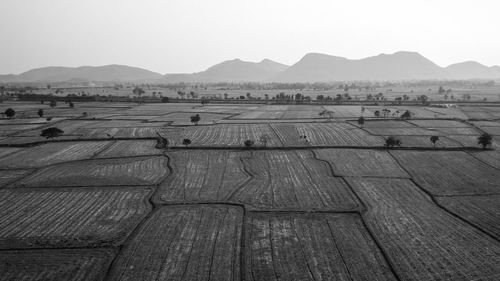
(313, 67)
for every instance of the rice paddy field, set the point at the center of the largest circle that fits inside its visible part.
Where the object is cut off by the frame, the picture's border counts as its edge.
(250, 192)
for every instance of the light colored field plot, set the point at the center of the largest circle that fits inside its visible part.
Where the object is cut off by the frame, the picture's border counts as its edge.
(55, 265)
(325, 134)
(486, 123)
(25, 121)
(439, 123)
(69, 217)
(124, 148)
(68, 126)
(422, 241)
(31, 139)
(117, 132)
(4, 151)
(448, 112)
(361, 162)
(184, 243)
(458, 131)
(384, 124)
(229, 134)
(183, 118)
(311, 247)
(347, 111)
(482, 211)
(226, 108)
(479, 115)
(292, 180)
(424, 141)
(467, 141)
(403, 132)
(268, 114)
(102, 172)
(278, 180)
(203, 176)
(491, 157)
(449, 172)
(8, 176)
(19, 127)
(131, 117)
(123, 124)
(52, 153)
(495, 131)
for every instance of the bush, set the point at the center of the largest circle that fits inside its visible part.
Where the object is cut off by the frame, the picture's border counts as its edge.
(249, 143)
(40, 112)
(52, 132)
(485, 140)
(392, 141)
(186, 142)
(9, 112)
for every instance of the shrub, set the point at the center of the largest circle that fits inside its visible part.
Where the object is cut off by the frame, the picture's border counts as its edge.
(186, 142)
(9, 112)
(392, 141)
(52, 132)
(40, 112)
(249, 143)
(484, 140)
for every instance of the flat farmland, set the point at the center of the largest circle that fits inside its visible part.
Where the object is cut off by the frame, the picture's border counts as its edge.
(8, 176)
(312, 247)
(482, 211)
(52, 153)
(126, 148)
(204, 176)
(293, 180)
(102, 203)
(424, 242)
(184, 243)
(361, 163)
(55, 265)
(44, 218)
(261, 180)
(325, 134)
(450, 172)
(101, 172)
(184, 118)
(229, 134)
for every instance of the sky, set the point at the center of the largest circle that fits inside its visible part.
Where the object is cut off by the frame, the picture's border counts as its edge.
(184, 36)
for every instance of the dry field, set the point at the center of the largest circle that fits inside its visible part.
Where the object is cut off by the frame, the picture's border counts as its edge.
(102, 203)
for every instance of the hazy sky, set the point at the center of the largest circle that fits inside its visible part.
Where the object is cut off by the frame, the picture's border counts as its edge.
(170, 36)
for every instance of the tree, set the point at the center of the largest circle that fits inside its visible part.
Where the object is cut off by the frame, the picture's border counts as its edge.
(434, 139)
(484, 140)
(71, 105)
(377, 113)
(361, 121)
(53, 103)
(392, 141)
(406, 115)
(165, 99)
(138, 91)
(441, 90)
(186, 142)
(9, 112)
(161, 142)
(40, 112)
(195, 119)
(248, 143)
(52, 132)
(264, 139)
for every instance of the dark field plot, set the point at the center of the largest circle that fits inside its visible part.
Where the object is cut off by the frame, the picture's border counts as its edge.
(184, 243)
(66, 218)
(450, 172)
(312, 247)
(102, 172)
(424, 242)
(55, 265)
(482, 211)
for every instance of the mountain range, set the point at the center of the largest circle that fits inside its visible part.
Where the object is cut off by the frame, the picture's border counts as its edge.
(313, 67)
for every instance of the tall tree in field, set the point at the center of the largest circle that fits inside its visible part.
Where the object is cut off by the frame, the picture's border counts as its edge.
(361, 121)
(138, 91)
(9, 112)
(40, 112)
(434, 139)
(195, 119)
(52, 132)
(485, 140)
